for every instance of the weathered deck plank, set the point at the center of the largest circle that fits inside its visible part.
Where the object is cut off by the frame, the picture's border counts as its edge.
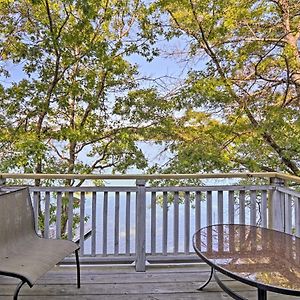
(112, 283)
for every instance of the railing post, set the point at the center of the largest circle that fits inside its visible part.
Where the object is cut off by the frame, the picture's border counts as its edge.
(277, 214)
(140, 262)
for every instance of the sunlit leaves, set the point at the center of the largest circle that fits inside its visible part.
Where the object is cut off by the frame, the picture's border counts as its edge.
(73, 62)
(249, 81)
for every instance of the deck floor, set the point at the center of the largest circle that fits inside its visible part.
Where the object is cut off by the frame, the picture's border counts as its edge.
(122, 282)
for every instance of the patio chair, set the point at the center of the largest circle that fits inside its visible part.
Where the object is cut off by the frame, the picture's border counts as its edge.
(24, 254)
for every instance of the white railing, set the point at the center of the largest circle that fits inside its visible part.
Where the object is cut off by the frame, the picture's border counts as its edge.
(145, 223)
(289, 208)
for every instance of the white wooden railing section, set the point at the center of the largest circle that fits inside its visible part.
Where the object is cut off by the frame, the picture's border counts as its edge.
(146, 224)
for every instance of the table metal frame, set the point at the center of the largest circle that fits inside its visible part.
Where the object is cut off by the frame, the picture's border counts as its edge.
(261, 288)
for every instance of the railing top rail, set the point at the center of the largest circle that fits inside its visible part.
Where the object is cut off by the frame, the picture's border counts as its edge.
(90, 189)
(288, 191)
(288, 177)
(87, 189)
(150, 176)
(210, 188)
(136, 176)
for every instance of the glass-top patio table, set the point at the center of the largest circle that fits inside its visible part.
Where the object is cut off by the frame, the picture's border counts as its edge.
(263, 258)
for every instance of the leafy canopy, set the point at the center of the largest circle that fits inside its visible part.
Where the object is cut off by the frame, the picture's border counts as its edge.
(61, 115)
(245, 93)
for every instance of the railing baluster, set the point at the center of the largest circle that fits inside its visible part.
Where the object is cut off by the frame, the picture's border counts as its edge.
(297, 217)
(288, 213)
(82, 217)
(187, 222)
(47, 215)
(220, 207)
(252, 207)
(153, 223)
(117, 221)
(58, 215)
(242, 206)
(127, 242)
(264, 209)
(209, 207)
(104, 223)
(36, 196)
(70, 216)
(94, 214)
(176, 222)
(231, 207)
(277, 205)
(198, 211)
(165, 224)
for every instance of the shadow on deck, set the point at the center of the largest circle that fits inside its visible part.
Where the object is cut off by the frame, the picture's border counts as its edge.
(122, 282)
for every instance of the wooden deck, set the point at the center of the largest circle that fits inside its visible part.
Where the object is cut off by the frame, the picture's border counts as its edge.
(122, 282)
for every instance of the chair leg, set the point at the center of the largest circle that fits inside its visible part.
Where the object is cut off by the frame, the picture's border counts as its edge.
(17, 290)
(78, 268)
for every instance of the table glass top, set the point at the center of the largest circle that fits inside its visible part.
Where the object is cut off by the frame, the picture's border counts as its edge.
(255, 254)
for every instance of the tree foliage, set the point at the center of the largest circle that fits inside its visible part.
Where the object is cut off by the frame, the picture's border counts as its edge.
(64, 71)
(60, 115)
(79, 92)
(240, 106)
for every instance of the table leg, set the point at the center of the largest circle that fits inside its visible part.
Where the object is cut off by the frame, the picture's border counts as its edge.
(227, 290)
(207, 281)
(261, 294)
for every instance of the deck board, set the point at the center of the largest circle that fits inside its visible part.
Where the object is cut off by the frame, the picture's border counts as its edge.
(122, 282)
